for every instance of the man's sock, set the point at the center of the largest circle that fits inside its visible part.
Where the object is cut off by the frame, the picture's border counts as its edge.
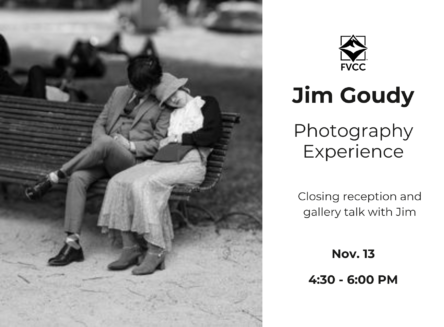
(73, 240)
(55, 176)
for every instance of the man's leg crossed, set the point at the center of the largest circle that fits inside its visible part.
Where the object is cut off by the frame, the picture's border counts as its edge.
(104, 149)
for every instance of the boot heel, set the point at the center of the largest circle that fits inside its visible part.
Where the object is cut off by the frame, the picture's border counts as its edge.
(151, 263)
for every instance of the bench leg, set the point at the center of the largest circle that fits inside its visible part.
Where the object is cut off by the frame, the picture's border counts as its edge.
(211, 215)
(180, 209)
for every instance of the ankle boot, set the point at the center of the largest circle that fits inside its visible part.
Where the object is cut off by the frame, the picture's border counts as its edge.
(128, 258)
(150, 263)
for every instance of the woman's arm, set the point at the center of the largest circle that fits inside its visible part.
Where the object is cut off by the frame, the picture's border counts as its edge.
(211, 130)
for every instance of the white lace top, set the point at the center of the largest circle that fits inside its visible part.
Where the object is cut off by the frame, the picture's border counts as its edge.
(187, 119)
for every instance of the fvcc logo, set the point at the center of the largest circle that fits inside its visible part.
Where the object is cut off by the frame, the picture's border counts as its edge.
(353, 50)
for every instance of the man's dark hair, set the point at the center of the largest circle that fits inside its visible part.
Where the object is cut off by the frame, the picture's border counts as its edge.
(144, 71)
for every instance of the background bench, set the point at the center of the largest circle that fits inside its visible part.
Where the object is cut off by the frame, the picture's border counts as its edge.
(38, 136)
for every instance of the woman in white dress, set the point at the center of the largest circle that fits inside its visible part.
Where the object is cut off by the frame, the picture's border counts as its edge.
(136, 200)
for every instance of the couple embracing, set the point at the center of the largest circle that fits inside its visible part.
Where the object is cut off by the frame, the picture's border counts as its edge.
(150, 136)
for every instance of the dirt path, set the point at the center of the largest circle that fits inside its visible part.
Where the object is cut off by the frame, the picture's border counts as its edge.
(211, 279)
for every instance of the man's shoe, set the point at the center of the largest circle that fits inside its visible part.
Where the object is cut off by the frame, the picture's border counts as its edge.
(67, 255)
(39, 189)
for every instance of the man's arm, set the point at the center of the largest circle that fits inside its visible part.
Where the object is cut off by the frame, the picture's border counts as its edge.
(99, 125)
(149, 148)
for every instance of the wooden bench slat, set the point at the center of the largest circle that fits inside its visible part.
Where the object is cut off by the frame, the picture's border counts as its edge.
(23, 173)
(214, 169)
(227, 125)
(82, 137)
(209, 183)
(41, 144)
(219, 152)
(14, 123)
(53, 152)
(26, 156)
(50, 104)
(223, 141)
(214, 166)
(226, 134)
(8, 163)
(82, 108)
(14, 180)
(216, 158)
(25, 112)
(221, 146)
(231, 117)
(48, 119)
(30, 137)
(27, 178)
(37, 136)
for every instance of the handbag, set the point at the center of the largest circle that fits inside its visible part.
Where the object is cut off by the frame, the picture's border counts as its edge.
(172, 152)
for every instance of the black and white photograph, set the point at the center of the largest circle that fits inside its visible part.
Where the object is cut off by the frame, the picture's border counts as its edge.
(131, 163)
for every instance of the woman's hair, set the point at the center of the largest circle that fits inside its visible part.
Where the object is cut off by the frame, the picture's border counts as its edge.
(144, 72)
(183, 88)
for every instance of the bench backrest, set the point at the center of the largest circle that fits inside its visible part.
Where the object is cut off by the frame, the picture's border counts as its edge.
(49, 133)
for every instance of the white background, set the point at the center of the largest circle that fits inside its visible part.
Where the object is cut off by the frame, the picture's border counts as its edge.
(405, 43)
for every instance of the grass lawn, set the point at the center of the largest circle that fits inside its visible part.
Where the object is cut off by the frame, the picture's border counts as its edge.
(227, 66)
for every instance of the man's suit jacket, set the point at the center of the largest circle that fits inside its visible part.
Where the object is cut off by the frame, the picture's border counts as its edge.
(149, 126)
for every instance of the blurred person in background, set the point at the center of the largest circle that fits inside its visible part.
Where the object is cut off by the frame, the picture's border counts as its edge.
(36, 86)
(84, 59)
(114, 46)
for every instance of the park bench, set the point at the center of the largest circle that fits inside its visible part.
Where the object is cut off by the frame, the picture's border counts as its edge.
(37, 136)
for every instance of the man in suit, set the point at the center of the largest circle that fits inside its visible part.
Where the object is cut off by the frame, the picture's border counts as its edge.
(126, 132)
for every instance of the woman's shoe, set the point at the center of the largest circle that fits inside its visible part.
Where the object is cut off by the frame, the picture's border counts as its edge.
(150, 263)
(128, 258)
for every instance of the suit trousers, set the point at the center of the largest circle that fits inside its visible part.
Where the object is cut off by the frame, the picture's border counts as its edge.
(103, 158)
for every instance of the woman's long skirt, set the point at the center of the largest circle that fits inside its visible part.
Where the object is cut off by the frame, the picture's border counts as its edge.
(136, 199)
